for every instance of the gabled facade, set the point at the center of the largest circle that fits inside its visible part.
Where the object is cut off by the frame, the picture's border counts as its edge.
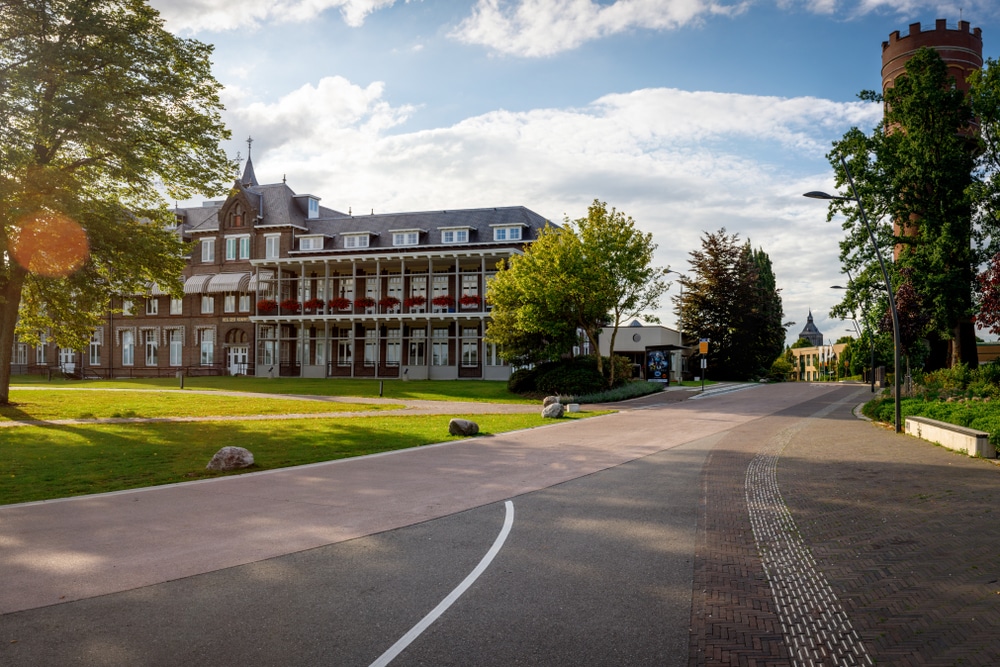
(278, 285)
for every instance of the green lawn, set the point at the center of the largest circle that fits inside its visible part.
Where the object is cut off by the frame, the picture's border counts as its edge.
(433, 390)
(52, 404)
(45, 462)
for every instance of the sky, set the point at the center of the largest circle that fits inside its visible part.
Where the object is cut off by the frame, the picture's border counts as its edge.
(688, 115)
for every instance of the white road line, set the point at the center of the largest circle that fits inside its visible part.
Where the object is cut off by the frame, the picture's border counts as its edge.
(427, 620)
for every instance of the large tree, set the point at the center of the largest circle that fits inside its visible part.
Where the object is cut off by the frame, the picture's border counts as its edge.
(104, 112)
(916, 171)
(592, 272)
(730, 297)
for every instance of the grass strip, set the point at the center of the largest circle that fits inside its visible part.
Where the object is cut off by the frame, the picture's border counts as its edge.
(429, 390)
(59, 461)
(54, 404)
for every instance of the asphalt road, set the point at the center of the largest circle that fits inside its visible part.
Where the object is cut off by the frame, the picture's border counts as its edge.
(596, 569)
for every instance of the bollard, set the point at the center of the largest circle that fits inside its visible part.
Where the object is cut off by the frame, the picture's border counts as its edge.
(380, 383)
(180, 378)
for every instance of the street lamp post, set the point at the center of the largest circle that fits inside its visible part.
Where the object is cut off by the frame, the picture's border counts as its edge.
(680, 323)
(871, 367)
(885, 276)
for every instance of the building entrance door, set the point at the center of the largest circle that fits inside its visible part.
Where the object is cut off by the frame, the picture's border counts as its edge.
(238, 359)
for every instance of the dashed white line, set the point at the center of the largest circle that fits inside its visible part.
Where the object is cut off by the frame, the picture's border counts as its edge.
(427, 620)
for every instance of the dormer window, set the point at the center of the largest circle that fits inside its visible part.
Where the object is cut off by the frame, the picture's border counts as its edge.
(454, 234)
(309, 204)
(355, 240)
(311, 243)
(406, 237)
(507, 233)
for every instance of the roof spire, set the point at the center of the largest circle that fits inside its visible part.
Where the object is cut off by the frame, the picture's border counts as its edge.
(249, 178)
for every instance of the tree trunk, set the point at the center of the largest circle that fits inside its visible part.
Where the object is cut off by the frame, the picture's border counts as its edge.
(966, 335)
(10, 302)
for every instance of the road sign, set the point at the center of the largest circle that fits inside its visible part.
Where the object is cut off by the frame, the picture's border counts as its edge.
(703, 346)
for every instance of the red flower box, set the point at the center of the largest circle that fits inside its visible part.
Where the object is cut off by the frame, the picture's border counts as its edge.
(267, 306)
(414, 302)
(469, 300)
(291, 306)
(339, 303)
(444, 301)
(313, 305)
(364, 302)
(388, 302)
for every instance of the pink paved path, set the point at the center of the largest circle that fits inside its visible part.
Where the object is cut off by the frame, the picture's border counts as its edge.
(56, 551)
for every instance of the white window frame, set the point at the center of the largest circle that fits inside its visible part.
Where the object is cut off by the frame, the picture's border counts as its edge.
(245, 303)
(470, 347)
(94, 349)
(207, 304)
(128, 348)
(128, 307)
(152, 306)
(455, 236)
(175, 341)
(507, 233)
(439, 347)
(206, 345)
(406, 238)
(272, 246)
(207, 250)
(418, 347)
(393, 347)
(356, 240)
(151, 346)
(176, 306)
(229, 303)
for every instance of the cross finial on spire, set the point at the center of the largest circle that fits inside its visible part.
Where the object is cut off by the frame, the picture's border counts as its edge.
(249, 145)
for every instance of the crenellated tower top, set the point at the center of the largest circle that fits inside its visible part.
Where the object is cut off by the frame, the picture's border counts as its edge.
(960, 47)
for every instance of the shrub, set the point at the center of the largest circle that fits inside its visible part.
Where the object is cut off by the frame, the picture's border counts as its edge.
(626, 391)
(568, 380)
(522, 381)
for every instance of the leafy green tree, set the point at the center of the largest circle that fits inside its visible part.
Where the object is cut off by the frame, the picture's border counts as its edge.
(917, 169)
(103, 110)
(591, 272)
(730, 298)
(540, 298)
(621, 256)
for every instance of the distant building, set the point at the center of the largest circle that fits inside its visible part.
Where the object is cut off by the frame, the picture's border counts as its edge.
(810, 332)
(820, 362)
(655, 351)
(277, 285)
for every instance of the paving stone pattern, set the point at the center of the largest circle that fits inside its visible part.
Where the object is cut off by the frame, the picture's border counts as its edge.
(900, 536)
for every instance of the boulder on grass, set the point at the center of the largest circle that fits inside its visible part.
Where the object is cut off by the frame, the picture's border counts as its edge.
(549, 400)
(231, 458)
(553, 411)
(462, 427)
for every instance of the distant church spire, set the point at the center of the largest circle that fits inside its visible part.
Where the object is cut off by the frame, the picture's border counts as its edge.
(810, 332)
(249, 178)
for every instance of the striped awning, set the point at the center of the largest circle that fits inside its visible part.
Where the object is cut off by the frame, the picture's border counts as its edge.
(196, 284)
(156, 290)
(228, 282)
(263, 274)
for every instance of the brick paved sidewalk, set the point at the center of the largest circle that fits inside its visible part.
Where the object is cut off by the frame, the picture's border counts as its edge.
(903, 531)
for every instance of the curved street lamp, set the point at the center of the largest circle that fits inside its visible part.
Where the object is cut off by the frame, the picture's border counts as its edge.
(871, 367)
(885, 276)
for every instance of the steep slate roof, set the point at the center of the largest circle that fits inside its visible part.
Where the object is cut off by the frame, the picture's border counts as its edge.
(279, 206)
(810, 332)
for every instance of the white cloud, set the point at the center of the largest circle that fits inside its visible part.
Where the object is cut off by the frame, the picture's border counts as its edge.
(221, 15)
(544, 27)
(681, 163)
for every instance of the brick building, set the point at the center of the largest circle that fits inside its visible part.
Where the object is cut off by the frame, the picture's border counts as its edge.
(278, 285)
